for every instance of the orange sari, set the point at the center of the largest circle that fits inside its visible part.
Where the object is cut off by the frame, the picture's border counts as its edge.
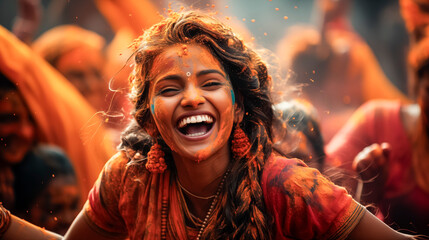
(61, 115)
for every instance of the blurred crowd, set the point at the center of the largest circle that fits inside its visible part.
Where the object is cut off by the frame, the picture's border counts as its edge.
(63, 106)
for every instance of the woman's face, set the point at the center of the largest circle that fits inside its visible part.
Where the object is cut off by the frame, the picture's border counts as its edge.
(17, 131)
(83, 67)
(191, 101)
(57, 206)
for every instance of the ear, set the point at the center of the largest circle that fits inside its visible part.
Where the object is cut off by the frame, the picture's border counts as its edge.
(150, 128)
(238, 113)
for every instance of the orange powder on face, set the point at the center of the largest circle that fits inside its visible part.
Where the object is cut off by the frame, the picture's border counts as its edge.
(223, 131)
(184, 51)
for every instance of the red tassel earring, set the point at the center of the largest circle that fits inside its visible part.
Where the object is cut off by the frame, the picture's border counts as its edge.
(155, 159)
(240, 146)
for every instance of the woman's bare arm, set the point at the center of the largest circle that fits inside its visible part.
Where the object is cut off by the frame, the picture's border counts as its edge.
(80, 229)
(372, 228)
(23, 230)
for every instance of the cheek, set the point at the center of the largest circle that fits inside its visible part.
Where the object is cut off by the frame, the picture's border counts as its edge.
(160, 110)
(225, 104)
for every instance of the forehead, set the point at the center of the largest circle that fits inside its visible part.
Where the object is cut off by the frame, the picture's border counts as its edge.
(80, 57)
(189, 56)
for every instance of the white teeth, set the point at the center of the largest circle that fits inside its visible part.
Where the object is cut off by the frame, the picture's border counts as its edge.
(195, 119)
(195, 134)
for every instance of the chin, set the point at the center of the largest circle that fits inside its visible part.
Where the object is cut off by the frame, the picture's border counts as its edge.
(14, 158)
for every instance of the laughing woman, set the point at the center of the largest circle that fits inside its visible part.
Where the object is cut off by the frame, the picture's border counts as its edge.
(203, 97)
(209, 172)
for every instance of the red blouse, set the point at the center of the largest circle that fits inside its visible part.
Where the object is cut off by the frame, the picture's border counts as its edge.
(126, 200)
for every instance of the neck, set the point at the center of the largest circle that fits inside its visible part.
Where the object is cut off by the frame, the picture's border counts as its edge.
(202, 178)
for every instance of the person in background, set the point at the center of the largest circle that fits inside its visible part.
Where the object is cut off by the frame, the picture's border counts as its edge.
(387, 142)
(297, 134)
(61, 116)
(335, 68)
(28, 168)
(77, 53)
(46, 190)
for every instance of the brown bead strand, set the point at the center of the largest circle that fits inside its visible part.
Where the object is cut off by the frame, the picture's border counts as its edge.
(203, 226)
(164, 212)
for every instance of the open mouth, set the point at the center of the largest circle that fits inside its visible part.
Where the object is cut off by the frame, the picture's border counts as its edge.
(197, 125)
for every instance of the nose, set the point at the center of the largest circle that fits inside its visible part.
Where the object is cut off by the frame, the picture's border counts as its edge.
(27, 130)
(192, 97)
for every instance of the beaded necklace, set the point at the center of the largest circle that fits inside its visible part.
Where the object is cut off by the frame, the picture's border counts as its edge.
(196, 221)
(193, 195)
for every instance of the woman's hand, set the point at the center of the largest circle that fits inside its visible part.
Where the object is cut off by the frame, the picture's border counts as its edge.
(371, 165)
(28, 19)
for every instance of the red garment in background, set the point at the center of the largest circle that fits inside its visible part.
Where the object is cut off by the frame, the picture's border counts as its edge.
(404, 203)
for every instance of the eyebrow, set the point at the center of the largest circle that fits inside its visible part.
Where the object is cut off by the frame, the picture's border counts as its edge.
(170, 77)
(208, 71)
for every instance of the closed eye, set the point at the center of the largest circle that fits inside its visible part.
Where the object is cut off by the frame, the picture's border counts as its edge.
(211, 85)
(170, 91)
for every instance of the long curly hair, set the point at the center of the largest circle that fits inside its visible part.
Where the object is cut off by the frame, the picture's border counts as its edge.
(243, 214)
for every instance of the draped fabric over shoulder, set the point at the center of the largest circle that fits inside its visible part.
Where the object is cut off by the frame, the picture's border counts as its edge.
(303, 204)
(62, 116)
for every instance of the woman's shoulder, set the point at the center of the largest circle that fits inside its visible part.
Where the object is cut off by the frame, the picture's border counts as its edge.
(280, 170)
(125, 162)
(381, 106)
(278, 163)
